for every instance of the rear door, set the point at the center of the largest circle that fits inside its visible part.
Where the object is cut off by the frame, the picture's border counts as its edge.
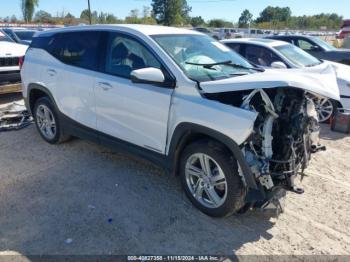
(136, 113)
(75, 74)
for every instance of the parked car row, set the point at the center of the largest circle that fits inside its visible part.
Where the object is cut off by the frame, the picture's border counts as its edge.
(235, 133)
(317, 47)
(268, 53)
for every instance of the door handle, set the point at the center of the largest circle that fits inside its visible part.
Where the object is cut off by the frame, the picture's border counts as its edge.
(105, 86)
(51, 72)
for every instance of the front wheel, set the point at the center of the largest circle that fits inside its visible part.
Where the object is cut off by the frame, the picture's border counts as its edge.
(209, 176)
(325, 108)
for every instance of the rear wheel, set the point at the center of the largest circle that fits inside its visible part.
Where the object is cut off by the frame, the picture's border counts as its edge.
(47, 121)
(209, 176)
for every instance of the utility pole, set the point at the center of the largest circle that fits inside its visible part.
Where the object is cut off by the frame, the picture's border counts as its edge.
(89, 12)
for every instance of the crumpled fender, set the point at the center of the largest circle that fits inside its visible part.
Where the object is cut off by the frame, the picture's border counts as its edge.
(321, 83)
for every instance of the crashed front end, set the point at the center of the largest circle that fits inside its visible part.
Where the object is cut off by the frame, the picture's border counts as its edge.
(285, 133)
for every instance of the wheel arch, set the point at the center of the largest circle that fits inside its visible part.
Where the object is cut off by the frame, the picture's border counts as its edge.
(186, 133)
(35, 91)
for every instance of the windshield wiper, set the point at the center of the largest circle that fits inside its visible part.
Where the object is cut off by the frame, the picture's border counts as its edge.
(228, 63)
(314, 64)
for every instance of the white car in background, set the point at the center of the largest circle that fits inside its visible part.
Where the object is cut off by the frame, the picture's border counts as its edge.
(276, 54)
(11, 56)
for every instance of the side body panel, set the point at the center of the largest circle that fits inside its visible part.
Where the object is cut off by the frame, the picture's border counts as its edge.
(232, 122)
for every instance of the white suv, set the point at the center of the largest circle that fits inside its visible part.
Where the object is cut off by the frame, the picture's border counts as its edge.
(237, 136)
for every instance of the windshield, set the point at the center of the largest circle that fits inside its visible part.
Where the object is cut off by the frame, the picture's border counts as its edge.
(323, 44)
(193, 52)
(25, 35)
(5, 37)
(297, 56)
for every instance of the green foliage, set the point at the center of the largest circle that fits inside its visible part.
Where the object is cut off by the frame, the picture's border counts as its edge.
(197, 21)
(274, 14)
(245, 19)
(28, 8)
(171, 12)
(219, 23)
(315, 22)
(43, 17)
(134, 17)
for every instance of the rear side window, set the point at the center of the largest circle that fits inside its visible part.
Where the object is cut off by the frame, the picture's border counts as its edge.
(40, 42)
(260, 55)
(75, 48)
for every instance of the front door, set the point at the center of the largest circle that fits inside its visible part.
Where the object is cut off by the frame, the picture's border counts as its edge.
(136, 113)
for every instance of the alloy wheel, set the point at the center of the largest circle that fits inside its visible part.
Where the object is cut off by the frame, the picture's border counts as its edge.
(205, 180)
(324, 108)
(46, 122)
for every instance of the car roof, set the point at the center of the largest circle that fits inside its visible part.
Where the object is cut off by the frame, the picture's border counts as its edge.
(257, 41)
(143, 29)
(290, 36)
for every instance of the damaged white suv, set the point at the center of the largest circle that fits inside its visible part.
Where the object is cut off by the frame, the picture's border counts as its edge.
(236, 135)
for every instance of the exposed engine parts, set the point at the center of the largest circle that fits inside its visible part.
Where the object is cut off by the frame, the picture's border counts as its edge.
(286, 133)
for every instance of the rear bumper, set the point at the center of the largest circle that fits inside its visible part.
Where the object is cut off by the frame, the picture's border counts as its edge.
(8, 77)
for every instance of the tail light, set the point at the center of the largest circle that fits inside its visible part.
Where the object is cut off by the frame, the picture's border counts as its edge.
(20, 62)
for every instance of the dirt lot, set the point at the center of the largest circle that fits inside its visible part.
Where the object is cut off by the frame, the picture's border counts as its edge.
(81, 198)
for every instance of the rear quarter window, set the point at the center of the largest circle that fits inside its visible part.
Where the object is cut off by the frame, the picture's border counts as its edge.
(78, 49)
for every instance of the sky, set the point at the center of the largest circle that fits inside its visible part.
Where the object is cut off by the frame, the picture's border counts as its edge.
(208, 9)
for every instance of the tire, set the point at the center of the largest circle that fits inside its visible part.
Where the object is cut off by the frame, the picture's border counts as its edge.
(47, 122)
(222, 192)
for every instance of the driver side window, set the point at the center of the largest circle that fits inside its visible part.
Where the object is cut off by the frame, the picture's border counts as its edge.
(125, 55)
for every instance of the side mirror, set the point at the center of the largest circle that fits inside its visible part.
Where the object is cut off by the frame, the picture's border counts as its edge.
(149, 75)
(278, 65)
(315, 48)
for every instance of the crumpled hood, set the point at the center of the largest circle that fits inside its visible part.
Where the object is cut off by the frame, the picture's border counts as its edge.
(342, 71)
(8, 49)
(321, 83)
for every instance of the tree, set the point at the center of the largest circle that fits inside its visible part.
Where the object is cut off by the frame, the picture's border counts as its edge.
(146, 12)
(270, 14)
(85, 16)
(147, 16)
(13, 19)
(69, 19)
(111, 19)
(133, 17)
(28, 8)
(43, 17)
(245, 19)
(219, 23)
(197, 21)
(171, 12)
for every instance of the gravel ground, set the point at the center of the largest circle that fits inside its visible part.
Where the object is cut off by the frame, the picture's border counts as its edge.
(82, 198)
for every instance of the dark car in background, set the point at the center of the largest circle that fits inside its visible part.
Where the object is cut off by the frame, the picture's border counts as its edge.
(316, 47)
(21, 36)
